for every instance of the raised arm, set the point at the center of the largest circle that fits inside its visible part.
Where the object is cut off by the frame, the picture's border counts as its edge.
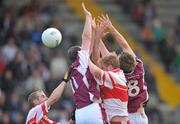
(57, 92)
(87, 31)
(93, 23)
(97, 42)
(119, 38)
(103, 49)
(95, 70)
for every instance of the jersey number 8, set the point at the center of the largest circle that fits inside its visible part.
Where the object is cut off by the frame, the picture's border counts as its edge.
(133, 89)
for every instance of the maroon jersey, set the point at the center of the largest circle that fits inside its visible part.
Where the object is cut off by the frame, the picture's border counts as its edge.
(83, 84)
(137, 88)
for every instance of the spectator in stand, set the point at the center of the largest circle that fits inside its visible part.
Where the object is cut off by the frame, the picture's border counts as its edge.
(147, 36)
(149, 77)
(153, 111)
(167, 53)
(138, 13)
(9, 50)
(158, 33)
(178, 29)
(7, 81)
(149, 13)
(176, 62)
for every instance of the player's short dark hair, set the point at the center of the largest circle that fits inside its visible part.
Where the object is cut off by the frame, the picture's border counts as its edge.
(32, 97)
(73, 52)
(110, 59)
(127, 62)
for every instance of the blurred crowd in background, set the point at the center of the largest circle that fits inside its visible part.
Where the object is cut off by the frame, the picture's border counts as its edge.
(162, 43)
(27, 65)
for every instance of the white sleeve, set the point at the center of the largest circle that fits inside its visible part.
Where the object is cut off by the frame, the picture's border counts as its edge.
(110, 78)
(119, 78)
(105, 80)
(41, 111)
(83, 58)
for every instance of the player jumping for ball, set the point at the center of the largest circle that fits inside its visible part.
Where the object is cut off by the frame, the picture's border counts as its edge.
(85, 93)
(134, 73)
(111, 79)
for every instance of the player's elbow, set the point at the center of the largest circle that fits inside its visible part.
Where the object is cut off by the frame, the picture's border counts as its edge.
(96, 73)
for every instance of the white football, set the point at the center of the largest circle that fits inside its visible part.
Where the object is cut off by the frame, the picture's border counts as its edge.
(51, 37)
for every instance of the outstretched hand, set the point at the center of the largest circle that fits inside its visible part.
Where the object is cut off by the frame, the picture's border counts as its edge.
(86, 12)
(104, 21)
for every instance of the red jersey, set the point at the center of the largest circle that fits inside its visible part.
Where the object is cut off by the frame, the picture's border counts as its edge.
(114, 92)
(38, 115)
(137, 88)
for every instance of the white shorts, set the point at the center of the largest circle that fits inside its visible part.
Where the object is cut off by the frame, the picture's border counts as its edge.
(90, 114)
(138, 118)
